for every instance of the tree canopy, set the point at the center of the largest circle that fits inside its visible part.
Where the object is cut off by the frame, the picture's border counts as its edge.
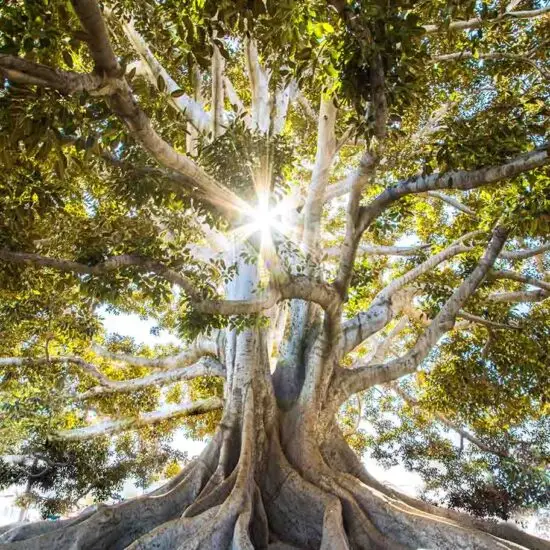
(384, 166)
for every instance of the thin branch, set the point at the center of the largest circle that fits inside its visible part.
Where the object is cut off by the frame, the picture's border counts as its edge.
(513, 276)
(207, 366)
(477, 22)
(379, 250)
(349, 382)
(486, 322)
(145, 419)
(88, 368)
(453, 202)
(520, 296)
(444, 420)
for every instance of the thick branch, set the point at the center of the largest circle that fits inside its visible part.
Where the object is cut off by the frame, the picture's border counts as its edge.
(207, 366)
(486, 322)
(145, 419)
(21, 71)
(352, 381)
(477, 22)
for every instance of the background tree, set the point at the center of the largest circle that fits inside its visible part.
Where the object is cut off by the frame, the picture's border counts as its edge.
(321, 199)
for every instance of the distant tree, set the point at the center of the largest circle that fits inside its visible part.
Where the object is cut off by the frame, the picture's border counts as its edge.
(341, 209)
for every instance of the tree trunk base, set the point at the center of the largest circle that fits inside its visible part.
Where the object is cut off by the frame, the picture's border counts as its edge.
(269, 505)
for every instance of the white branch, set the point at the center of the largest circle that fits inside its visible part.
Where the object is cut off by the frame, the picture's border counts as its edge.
(453, 202)
(217, 92)
(326, 148)
(525, 253)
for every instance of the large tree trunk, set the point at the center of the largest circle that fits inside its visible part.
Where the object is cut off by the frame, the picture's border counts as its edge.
(269, 479)
(277, 474)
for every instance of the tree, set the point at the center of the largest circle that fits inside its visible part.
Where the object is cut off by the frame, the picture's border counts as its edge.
(321, 199)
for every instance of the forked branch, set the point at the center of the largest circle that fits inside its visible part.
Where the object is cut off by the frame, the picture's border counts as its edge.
(359, 379)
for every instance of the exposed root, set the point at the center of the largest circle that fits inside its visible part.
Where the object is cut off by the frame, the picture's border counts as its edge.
(266, 503)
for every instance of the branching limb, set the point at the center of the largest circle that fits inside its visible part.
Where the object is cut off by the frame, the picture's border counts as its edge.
(145, 419)
(124, 105)
(477, 22)
(384, 306)
(463, 180)
(298, 287)
(352, 381)
(207, 366)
